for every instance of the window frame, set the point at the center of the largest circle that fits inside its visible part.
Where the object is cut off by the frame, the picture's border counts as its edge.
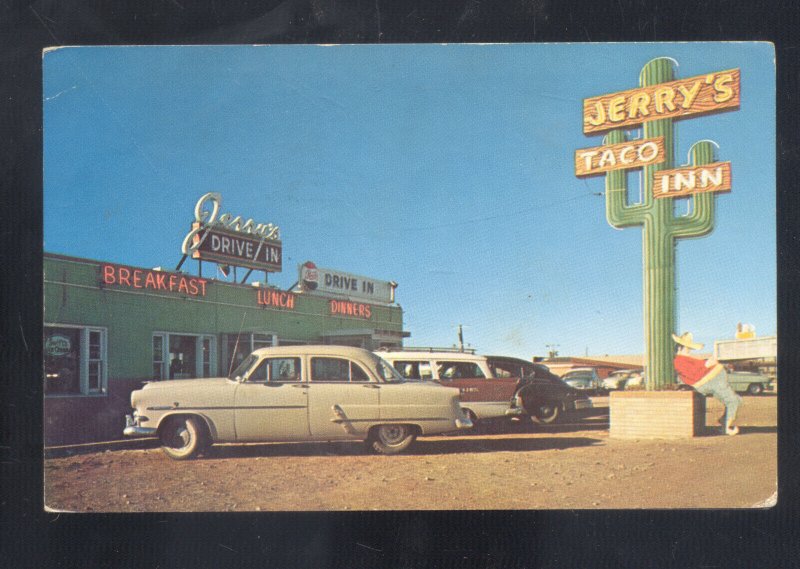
(267, 360)
(419, 364)
(84, 361)
(443, 364)
(349, 379)
(213, 364)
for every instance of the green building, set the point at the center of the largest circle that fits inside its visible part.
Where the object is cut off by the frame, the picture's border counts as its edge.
(108, 328)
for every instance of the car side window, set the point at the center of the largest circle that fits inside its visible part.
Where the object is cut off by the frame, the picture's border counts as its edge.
(357, 373)
(459, 370)
(276, 370)
(336, 369)
(284, 370)
(505, 369)
(259, 374)
(414, 370)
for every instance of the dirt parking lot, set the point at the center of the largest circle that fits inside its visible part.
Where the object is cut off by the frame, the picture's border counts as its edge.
(572, 465)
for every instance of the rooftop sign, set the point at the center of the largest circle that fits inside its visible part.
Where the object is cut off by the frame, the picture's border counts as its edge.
(230, 240)
(314, 279)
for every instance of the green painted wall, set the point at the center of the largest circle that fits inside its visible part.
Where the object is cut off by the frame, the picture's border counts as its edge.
(73, 295)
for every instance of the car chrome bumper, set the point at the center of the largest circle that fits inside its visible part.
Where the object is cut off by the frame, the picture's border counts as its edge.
(132, 428)
(515, 411)
(583, 404)
(139, 431)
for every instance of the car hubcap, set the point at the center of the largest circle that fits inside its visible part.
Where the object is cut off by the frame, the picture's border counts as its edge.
(181, 437)
(392, 434)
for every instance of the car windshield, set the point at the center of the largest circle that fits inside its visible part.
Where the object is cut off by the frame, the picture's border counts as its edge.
(388, 373)
(242, 367)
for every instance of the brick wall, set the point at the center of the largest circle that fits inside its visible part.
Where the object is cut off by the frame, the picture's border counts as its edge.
(82, 419)
(656, 414)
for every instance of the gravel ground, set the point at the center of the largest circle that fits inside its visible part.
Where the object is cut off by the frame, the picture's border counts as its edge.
(572, 465)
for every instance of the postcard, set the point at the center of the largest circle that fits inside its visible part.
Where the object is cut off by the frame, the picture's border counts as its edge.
(409, 277)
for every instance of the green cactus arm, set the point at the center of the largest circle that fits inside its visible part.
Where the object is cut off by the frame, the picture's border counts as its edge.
(700, 221)
(619, 213)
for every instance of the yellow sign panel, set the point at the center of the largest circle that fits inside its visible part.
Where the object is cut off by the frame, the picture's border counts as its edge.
(715, 177)
(718, 91)
(623, 156)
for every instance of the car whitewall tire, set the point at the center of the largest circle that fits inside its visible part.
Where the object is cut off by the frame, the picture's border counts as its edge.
(182, 437)
(391, 439)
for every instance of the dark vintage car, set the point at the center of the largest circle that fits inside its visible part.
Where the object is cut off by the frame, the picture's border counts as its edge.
(544, 396)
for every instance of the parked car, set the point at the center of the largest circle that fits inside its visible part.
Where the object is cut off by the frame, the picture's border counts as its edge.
(584, 379)
(545, 397)
(483, 395)
(750, 382)
(296, 393)
(618, 379)
(635, 381)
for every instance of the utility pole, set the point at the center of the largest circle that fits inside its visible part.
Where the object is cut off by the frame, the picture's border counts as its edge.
(551, 350)
(460, 338)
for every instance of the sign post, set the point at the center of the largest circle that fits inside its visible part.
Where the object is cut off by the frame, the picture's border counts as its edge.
(659, 101)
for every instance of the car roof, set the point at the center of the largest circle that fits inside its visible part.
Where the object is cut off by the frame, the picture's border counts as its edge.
(314, 349)
(511, 359)
(429, 355)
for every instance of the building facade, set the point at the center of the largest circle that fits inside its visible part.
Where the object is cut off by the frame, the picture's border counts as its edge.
(108, 328)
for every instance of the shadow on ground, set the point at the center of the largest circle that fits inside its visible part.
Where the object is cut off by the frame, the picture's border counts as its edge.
(420, 447)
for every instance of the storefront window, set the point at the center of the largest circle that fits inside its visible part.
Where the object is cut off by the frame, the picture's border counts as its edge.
(236, 347)
(74, 360)
(95, 362)
(183, 356)
(206, 357)
(158, 356)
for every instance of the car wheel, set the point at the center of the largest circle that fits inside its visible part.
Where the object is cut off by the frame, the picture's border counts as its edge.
(755, 389)
(546, 413)
(391, 439)
(182, 438)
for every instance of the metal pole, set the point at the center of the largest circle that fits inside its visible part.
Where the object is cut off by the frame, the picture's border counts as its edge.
(180, 264)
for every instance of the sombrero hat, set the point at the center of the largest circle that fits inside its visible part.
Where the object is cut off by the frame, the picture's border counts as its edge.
(686, 339)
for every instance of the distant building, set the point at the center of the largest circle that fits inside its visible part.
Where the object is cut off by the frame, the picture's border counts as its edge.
(604, 365)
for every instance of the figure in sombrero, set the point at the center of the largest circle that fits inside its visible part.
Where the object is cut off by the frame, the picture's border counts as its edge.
(708, 377)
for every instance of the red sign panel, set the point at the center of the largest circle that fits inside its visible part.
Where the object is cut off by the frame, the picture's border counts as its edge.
(146, 279)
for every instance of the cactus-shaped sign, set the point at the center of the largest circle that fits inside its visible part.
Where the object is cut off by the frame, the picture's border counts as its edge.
(656, 104)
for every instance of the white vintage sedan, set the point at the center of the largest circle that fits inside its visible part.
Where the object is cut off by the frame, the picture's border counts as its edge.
(296, 393)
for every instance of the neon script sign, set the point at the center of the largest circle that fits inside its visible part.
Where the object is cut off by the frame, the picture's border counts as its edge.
(226, 221)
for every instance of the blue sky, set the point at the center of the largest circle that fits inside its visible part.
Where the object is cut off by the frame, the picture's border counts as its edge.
(446, 168)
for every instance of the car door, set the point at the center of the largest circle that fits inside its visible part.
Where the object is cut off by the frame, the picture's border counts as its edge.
(344, 400)
(271, 404)
(473, 383)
